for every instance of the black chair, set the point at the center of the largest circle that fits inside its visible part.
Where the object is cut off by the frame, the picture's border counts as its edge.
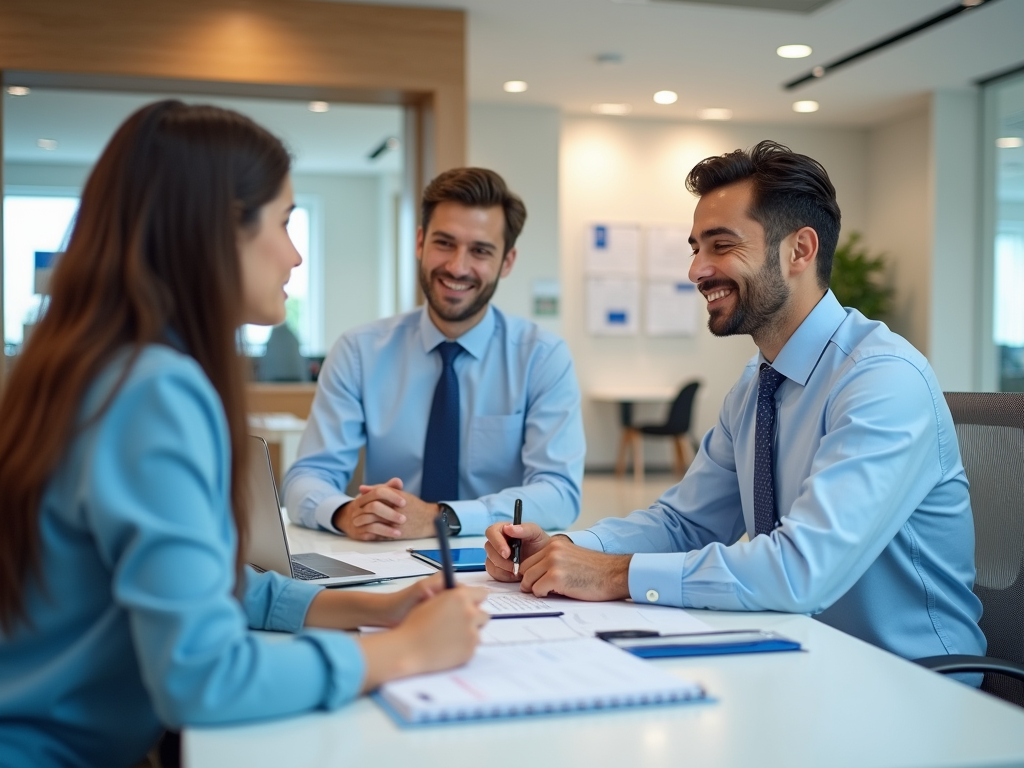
(990, 429)
(676, 426)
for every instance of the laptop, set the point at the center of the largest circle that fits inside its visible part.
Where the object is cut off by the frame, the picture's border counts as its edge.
(267, 549)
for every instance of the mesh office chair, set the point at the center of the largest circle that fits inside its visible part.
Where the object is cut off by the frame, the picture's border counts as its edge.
(676, 426)
(990, 429)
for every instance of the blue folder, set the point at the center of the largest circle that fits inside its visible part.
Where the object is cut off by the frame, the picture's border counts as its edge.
(651, 645)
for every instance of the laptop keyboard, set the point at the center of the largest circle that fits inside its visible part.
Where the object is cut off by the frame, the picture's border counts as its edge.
(305, 573)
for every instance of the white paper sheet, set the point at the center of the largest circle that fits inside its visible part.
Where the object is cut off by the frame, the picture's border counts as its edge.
(512, 631)
(668, 253)
(613, 306)
(397, 564)
(613, 250)
(671, 308)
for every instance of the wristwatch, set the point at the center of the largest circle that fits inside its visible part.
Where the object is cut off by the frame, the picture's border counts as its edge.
(450, 519)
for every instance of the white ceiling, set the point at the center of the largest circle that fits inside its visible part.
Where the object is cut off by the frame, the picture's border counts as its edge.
(337, 141)
(725, 56)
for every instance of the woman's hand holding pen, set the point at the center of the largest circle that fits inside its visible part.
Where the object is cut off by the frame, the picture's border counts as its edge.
(439, 633)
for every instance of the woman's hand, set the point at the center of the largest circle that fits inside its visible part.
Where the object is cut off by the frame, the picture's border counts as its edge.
(395, 606)
(439, 633)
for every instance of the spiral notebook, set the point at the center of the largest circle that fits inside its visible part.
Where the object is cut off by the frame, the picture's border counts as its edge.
(567, 676)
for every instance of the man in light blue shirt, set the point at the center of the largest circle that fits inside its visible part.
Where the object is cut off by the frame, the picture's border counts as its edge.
(461, 408)
(835, 452)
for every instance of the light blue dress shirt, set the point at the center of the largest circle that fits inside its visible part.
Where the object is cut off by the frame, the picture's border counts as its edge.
(522, 432)
(877, 537)
(135, 627)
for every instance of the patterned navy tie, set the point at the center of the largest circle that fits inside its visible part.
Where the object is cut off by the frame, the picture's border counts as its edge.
(441, 451)
(765, 515)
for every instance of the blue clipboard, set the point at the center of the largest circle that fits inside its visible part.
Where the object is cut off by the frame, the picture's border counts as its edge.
(651, 645)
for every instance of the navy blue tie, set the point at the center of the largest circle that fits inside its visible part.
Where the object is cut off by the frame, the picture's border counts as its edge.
(441, 451)
(765, 514)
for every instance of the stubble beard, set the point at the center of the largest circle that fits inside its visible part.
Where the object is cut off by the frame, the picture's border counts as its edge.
(758, 307)
(444, 310)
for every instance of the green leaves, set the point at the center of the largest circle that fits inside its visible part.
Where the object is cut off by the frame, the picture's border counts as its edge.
(858, 279)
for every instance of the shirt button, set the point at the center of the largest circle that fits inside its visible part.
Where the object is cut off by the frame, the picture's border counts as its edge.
(652, 595)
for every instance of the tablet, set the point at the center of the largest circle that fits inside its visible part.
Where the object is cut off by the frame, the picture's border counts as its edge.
(467, 559)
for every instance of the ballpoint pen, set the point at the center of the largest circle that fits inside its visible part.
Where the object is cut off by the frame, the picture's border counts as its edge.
(517, 519)
(446, 552)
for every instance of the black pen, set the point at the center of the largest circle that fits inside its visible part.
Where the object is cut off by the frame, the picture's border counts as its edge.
(517, 519)
(441, 525)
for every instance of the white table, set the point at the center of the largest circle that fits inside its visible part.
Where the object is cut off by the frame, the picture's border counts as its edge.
(840, 703)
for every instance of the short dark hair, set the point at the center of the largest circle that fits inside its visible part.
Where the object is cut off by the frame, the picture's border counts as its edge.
(475, 188)
(790, 191)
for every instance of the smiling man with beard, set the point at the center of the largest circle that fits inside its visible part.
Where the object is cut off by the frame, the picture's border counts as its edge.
(461, 408)
(834, 452)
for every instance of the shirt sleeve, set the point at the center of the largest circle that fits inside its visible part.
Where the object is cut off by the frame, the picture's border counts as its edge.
(315, 485)
(158, 506)
(704, 507)
(875, 464)
(553, 451)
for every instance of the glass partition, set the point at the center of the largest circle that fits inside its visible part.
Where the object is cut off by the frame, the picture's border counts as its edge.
(1003, 222)
(348, 174)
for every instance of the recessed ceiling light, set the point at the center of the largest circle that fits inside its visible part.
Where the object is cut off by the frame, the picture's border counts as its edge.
(611, 109)
(715, 113)
(49, 144)
(1010, 142)
(319, 106)
(18, 90)
(515, 86)
(666, 97)
(794, 51)
(805, 106)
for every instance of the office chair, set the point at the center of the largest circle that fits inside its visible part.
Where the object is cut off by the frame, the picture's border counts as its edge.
(990, 429)
(676, 426)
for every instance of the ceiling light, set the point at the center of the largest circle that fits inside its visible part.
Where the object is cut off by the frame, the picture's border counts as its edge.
(715, 113)
(319, 106)
(666, 97)
(1010, 142)
(612, 109)
(18, 90)
(805, 106)
(794, 51)
(515, 86)
(50, 144)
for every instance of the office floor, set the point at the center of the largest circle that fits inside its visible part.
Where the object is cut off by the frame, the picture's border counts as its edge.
(605, 495)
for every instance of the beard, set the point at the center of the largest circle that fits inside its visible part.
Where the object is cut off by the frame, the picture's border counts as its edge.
(757, 306)
(446, 311)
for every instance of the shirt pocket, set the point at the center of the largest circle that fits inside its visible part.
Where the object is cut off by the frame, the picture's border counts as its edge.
(495, 451)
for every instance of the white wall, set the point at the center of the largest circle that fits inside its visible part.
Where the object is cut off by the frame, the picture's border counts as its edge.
(634, 171)
(899, 218)
(521, 143)
(953, 327)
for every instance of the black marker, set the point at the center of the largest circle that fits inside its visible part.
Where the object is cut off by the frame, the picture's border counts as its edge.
(517, 519)
(446, 553)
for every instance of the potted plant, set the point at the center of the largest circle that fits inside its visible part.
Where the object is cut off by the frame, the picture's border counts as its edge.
(857, 279)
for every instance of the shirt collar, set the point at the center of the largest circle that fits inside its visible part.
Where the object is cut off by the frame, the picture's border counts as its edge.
(474, 341)
(801, 353)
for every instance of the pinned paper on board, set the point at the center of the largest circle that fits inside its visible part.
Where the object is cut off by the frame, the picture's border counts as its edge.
(668, 253)
(613, 250)
(613, 306)
(671, 308)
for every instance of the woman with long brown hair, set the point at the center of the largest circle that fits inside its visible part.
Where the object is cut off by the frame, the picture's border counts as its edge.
(124, 606)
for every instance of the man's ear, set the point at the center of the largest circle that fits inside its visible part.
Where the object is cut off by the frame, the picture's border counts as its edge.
(799, 251)
(506, 265)
(419, 243)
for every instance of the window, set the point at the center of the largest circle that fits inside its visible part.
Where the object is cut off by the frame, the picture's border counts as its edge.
(32, 223)
(303, 312)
